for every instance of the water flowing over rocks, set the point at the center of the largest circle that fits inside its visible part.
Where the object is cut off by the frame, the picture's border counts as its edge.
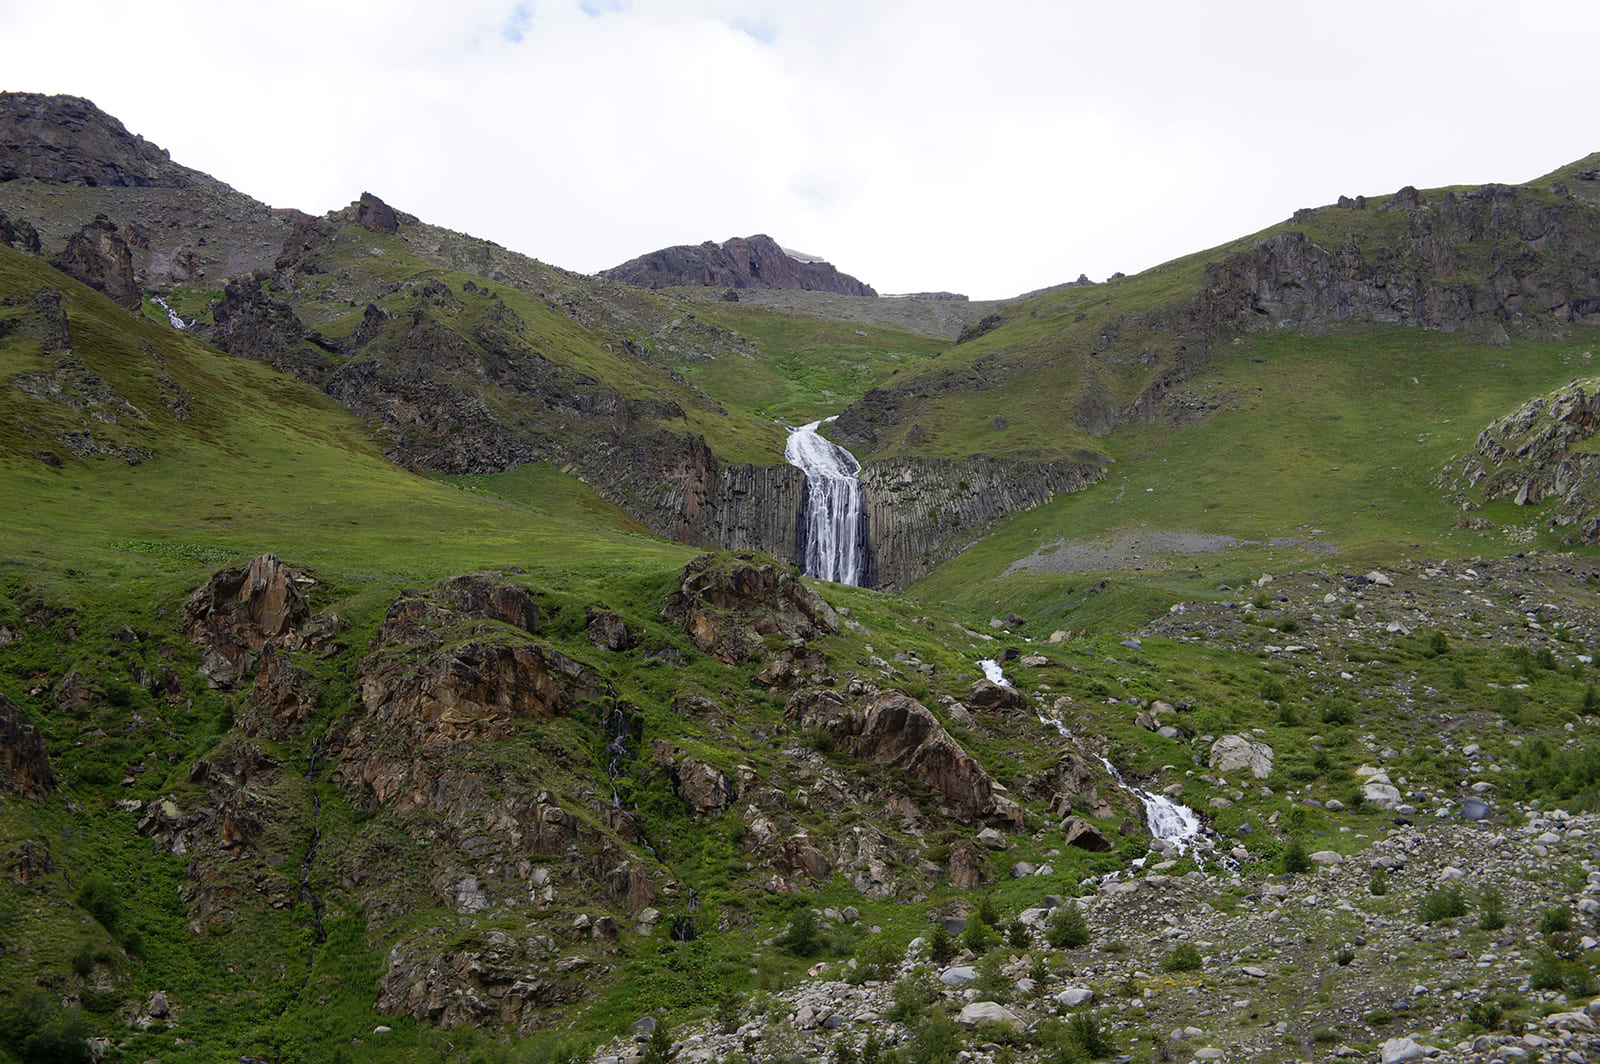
(831, 539)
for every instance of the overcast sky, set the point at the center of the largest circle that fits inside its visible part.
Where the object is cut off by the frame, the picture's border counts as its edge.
(986, 148)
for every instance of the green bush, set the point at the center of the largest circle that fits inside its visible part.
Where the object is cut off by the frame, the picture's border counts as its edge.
(803, 938)
(1491, 910)
(976, 936)
(1555, 921)
(987, 913)
(1092, 1037)
(1185, 957)
(98, 897)
(1017, 935)
(1378, 885)
(1294, 857)
(1446, 903)
(941, 946)
(936, 1040)
(1068, 929)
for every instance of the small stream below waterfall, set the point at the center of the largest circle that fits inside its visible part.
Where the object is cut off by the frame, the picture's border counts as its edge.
(1172, 822)
(833, 523)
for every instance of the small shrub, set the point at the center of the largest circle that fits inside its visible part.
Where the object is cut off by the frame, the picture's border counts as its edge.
(659, 1049)
(1378, 885)
(1348, 611)
(1092, 1037)
(935, 1041)
(987, 913)
(911, 995)
(1068, 929)
(1294, 858)
(1017, 936)
(99, 898)
(1491, 911)
(1555, 921)
(1183, 958)
(1344, 957)
(941, 946)
(1446, 903)
(1484, 1015)
(976, 936)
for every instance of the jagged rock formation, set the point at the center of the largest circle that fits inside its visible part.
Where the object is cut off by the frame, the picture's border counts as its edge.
(892, 728)
(24, 765)
(1537, 454)
(240, 610)
(921, 511)
(68, 140)
(742, 262)
(101, 259)
(19, 234)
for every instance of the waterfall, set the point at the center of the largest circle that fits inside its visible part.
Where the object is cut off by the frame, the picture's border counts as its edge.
(172, 315)
(834, 532)
(1165, 819)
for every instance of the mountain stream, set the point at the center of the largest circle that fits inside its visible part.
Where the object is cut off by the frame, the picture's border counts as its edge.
(1175, 824)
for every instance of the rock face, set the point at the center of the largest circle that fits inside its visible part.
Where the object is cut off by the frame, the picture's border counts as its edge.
(892, 728)
(374, 214)
(68, 140)
(1535, 455)
(1497, 256)
(24, 766)
(730, 606)
(101, 259)
(743, 262)
(921, 511)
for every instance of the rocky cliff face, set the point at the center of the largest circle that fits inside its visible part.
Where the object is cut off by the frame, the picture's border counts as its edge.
(101, 259)
(24, 767)
(921, 511)
(68, 140)
(1495, 258)
(743, 262)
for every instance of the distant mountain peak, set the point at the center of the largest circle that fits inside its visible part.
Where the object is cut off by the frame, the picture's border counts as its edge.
(742, 262)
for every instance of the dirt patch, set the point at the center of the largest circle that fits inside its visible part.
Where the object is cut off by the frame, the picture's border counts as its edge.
(1144, 549)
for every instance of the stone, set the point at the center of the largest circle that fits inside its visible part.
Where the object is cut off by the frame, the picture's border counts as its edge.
(1021, 870)
(1400, 1050)
(993, 839)
(1073, 996)
(24, 765)
(1084, 835)
(1235, 753)
(958, 975)
(1381, 795)
(977, 1012)
(1327, 857)
(1378, 578)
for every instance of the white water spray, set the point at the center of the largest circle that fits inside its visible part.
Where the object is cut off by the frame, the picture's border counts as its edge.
(835, 519)
(172, 316)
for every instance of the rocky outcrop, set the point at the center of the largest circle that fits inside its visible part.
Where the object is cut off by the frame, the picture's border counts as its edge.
(729, 605)
(892, 728)
(702, 787)
(1537, 455)
(68, 140)
(921, 511)
(239, 610)
(282, 699)
(19, 234)
(743, 262)
(1497, 257)
(24, 765)
(375, 215)
(251, 323)
(495, 979)
(101, 259)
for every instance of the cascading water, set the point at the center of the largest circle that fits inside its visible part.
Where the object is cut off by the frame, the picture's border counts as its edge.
(835, 520)
(172, 315)
(1177, 824)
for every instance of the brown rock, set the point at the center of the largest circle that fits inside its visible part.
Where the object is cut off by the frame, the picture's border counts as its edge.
(728, 606)
(967, 871)
(239, 610)
(991, 697)
(607, 630)
(282, 699)
(1084, 835)
(101, 259)
(24, 765)
(892, 728)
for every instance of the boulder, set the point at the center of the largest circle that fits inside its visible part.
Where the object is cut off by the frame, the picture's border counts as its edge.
(1233, 753)
(1073, 996)
(101, 259)
(991, 697)
(375, 215)
(1401, 1050)
(978, 1012)
(1084, 835)
(239, 610)
(1381, 795)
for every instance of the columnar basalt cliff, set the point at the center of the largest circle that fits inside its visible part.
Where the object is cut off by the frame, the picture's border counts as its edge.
(921, 511)
(743, 262)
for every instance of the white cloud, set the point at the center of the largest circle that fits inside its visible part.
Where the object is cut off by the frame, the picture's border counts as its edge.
(990, 149)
